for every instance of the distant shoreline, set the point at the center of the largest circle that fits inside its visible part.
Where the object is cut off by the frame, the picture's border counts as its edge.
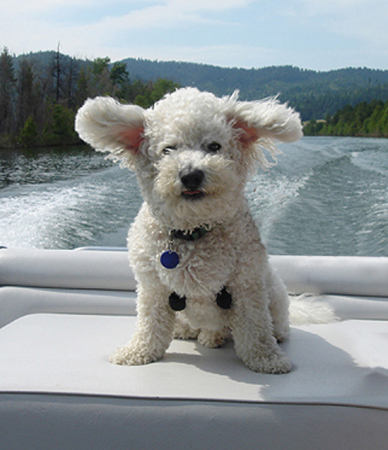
(40, 146)
(362, 120)
(309, 129)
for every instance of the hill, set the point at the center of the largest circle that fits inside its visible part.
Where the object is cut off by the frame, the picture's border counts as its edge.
(314, 94)
(41, 92)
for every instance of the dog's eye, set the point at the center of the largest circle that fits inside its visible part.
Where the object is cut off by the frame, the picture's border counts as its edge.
(214, 147)
(169, 149)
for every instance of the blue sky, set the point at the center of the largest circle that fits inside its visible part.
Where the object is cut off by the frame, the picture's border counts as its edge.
(311, 34)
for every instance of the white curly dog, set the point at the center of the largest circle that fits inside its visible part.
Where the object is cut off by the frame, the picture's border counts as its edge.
(201, 268)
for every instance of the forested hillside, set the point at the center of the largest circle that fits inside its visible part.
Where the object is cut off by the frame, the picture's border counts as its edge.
(40, 94)
(313, 94)
(365, 119)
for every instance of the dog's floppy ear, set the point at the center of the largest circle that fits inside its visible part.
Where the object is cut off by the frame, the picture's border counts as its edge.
(109, 126)
(262, 123)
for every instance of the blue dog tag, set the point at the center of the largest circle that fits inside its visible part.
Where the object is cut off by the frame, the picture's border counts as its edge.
(169, 259)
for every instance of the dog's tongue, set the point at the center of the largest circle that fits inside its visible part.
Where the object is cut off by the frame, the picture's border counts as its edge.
(192, 192)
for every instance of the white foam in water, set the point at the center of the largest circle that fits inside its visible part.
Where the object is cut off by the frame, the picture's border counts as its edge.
(270, 196)
(65, 214)
(373, 234)
(326, 196)
(38, 219)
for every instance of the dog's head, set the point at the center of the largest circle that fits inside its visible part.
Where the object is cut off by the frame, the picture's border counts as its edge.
(192, 151)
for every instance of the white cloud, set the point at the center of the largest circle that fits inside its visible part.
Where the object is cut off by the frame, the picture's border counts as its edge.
(37, 6)
(242, 33)
(41, 24)
(207, 5)
(176, 13)
(319, 7)
(362, 22)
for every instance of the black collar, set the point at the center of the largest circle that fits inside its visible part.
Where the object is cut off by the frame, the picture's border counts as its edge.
(193, 235)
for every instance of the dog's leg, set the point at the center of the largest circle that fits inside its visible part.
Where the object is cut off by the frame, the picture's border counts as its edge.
(278, 306)
(253, 332)
(214, 339)
(154, 328)
(183, 330)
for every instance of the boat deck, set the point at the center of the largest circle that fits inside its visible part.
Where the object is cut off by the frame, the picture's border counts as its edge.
(63, 312)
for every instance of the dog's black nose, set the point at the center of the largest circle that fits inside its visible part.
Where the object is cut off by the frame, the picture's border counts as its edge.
(193, 180)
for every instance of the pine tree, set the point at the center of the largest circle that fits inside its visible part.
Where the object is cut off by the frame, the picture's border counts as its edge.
(7, 85)
(29, 133)
(26, 100)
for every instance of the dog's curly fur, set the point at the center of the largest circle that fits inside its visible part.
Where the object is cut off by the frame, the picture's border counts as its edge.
(192, 153)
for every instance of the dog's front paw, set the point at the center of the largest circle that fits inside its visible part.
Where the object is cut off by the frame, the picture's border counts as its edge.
(184, 331)
(129, 356)
(214, 339)
(282, 334)
(276, 363)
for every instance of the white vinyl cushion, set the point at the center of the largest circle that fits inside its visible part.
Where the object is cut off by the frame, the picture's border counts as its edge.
(66, 269)
(109, 270)
(342, 275)
(344, 363)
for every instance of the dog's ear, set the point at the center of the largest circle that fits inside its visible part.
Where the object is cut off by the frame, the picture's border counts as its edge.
(109, 126)
(262, 124)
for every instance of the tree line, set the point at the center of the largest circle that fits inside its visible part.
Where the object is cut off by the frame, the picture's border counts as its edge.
(365, 119)
(41, 92)
(38, 102)
(314, 94)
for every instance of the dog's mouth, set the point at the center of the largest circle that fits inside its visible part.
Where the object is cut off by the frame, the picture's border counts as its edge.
(193, 195)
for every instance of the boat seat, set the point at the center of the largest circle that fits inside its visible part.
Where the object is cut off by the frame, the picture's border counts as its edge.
(58, 390)
(64, 312)
(101, 282)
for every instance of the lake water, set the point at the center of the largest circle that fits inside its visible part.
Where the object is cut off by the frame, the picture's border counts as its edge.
(326, 196)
